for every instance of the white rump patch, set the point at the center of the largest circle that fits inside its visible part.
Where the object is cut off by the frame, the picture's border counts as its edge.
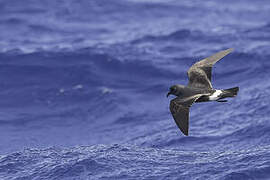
(215, 96)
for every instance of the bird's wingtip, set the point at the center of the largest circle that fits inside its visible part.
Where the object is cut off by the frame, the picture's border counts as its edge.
(184, 131)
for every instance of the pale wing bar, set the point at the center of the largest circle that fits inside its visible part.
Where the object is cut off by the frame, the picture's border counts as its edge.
(199, 74)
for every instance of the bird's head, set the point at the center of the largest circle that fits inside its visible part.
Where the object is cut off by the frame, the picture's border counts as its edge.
(176, 90)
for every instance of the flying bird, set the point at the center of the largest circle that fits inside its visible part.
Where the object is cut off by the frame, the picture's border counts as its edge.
(199, 89)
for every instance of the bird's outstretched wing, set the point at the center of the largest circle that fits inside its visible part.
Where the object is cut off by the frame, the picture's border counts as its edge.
(199, 74)
(180, 111)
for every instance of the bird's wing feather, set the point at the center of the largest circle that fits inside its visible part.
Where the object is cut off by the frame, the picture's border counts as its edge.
(180, 111)
(199, 74)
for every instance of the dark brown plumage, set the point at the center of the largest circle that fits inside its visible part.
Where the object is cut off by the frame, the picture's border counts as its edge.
(199, 74)
(199, 89)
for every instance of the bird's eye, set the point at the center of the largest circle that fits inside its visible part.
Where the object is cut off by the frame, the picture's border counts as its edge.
(173, 89)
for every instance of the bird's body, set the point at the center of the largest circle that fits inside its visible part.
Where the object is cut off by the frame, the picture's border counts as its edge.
(199, 89)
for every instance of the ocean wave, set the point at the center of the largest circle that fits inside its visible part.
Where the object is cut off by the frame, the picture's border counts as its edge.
(118, 161)
(86, 83)
(90, 24)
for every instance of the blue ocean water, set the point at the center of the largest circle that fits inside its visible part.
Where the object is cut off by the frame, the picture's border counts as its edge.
(83, 89)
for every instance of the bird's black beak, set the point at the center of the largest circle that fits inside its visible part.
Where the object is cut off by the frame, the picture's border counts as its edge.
(169, 94)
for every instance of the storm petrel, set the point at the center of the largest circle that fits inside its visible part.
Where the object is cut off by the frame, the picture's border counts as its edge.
(199, 89)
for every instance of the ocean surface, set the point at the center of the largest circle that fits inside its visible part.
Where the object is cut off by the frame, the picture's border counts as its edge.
(83, 89)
